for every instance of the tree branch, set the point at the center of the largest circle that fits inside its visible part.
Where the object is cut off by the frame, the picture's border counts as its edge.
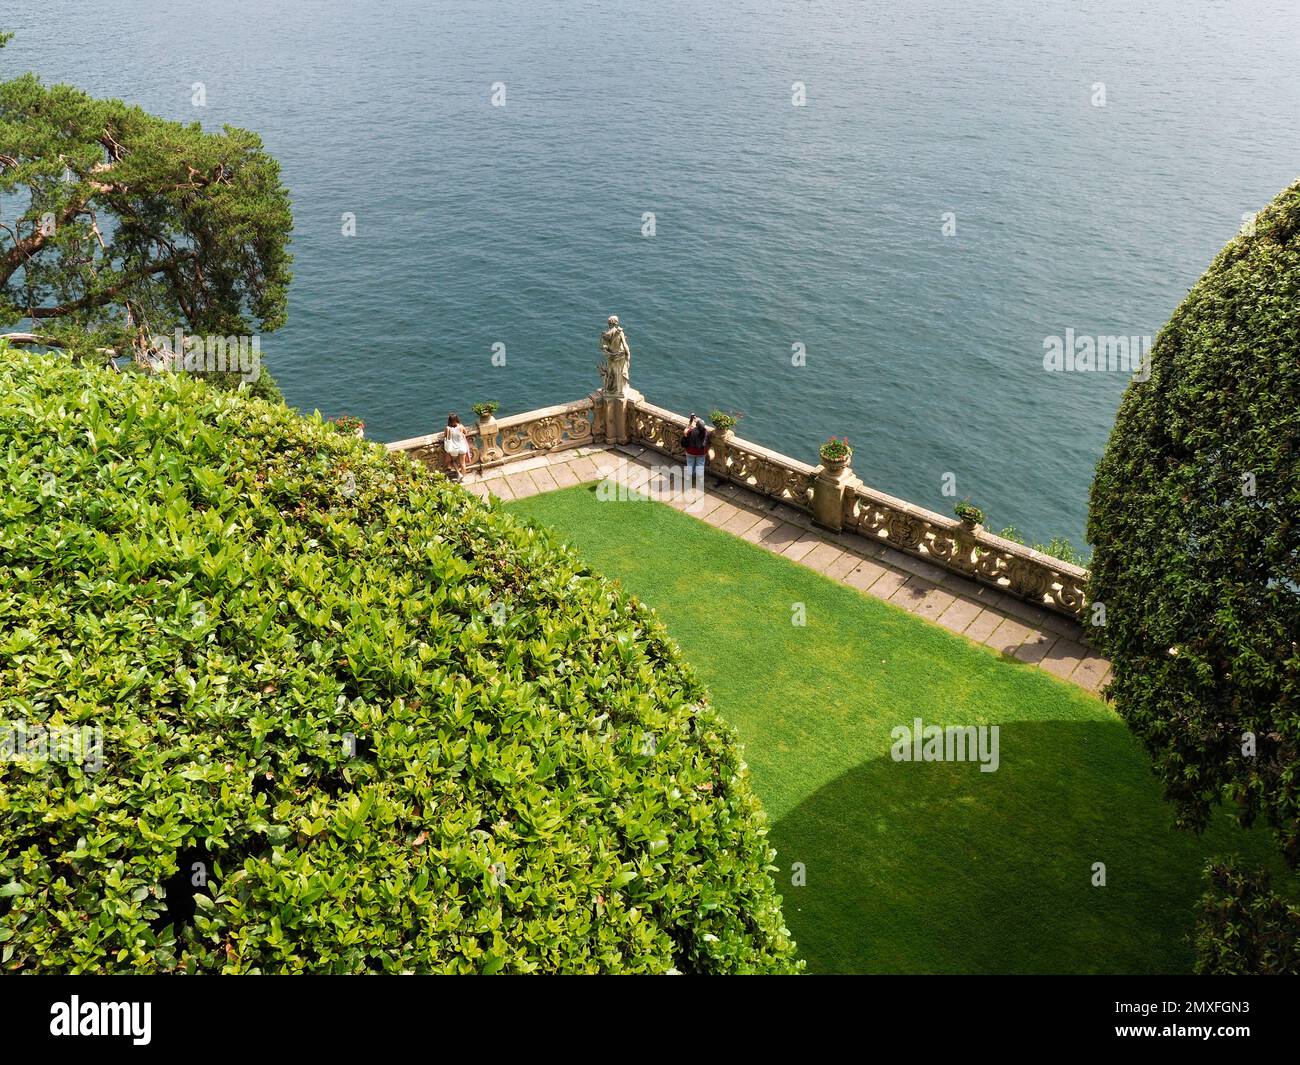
(98, 299)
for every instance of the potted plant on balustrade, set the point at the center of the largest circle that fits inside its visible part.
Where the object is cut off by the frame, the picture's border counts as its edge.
(347, 424)
(971, 516)
(487, 431)
(724, 423)
(835, 454)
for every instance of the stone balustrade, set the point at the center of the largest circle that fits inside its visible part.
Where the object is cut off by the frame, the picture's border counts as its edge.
(743, 463)
(495, 442)
(829, 493)
(970, 551)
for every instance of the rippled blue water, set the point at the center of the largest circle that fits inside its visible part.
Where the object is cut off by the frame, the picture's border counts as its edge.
(820, 225)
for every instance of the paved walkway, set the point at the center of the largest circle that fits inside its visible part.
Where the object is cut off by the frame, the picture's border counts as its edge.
(978, 612)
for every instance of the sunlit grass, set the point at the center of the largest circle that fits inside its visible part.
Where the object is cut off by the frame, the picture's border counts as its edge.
(913, 867)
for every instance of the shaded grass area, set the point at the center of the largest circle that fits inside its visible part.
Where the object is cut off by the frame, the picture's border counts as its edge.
(913, 867)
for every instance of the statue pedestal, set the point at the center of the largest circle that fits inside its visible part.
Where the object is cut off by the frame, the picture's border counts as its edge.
(617, 407)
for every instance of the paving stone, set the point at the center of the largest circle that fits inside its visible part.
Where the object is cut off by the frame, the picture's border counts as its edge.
(533, 462)
(989, 597)
(544, 479)
(521, 484)
(962, 587)
(705, 505)
(721, 514)
(637, 477)
(1061, 625)
(888, 584)
(867, 547)
(796, 551)
(1022, 611)
(1009, 635)
(911, 593)
(934, 601)
(927, 571)
(479, 489)
(1036, 646)
(565, 475)
(1088, 634)
(959, 614)
(1091, 672)
(742, 522)
(584, 468)
(1064, 655)
(782, 536)
(865, 574)
(625, 471)
(765, 525)
(668, 485)
(791, 516)
(823, 556)
(606, 473)
(981, 628)
(498, 487)
(842, 566)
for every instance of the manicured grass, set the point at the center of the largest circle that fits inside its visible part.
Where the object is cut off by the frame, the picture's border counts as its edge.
(913, 867)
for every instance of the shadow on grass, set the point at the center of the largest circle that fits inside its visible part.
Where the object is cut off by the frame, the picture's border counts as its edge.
(938, 867)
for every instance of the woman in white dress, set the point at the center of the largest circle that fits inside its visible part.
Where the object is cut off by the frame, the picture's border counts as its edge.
(456, 444)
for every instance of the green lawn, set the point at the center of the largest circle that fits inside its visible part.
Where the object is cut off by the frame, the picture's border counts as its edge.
(912, 866)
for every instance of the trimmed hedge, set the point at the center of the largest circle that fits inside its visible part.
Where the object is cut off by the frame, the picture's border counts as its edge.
(1195, 518)
(396, 728)
(1244, 928)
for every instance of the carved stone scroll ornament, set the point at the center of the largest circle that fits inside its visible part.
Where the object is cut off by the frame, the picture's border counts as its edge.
(660, 433)
(957, 548)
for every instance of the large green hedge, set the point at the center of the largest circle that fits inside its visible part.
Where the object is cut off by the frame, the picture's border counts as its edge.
(230, 590)
(1244, 928)
(1195, 518)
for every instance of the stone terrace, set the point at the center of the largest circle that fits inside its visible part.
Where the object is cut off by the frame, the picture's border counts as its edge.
(978, 612)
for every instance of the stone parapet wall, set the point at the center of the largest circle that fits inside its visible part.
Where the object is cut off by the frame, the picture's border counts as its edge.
(832, 495)
(495, 442)
(973, 552)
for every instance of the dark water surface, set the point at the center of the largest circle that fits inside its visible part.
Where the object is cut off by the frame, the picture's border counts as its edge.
(776, 225)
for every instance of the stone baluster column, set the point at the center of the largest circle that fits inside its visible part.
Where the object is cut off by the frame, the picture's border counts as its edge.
(833, 485)
(488, 451)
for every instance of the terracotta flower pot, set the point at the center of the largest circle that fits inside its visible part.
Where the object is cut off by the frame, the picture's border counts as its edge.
(837, 466)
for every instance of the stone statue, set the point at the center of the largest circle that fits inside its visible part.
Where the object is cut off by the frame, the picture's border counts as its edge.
(618, 358)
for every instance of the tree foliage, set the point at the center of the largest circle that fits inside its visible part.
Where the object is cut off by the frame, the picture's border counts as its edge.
(1195, 518)
(129, 226)
(389, 728)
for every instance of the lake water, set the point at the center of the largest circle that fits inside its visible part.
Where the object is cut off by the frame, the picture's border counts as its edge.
(776, 225)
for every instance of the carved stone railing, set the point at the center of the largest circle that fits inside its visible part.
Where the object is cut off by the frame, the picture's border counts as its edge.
(739, 461)
(542, 431)
(830, 493)
(972, 552)
(518, 436)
